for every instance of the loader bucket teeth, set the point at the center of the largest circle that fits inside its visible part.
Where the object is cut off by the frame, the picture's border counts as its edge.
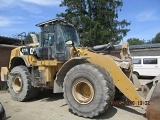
(153, 109)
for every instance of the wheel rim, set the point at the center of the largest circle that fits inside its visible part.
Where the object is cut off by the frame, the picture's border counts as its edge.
(17, 84)
(82, 91)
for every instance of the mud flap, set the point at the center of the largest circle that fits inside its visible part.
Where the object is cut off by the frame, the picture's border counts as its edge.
(153, 109)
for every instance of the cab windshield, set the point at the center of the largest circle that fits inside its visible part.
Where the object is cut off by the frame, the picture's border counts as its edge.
(69, 33)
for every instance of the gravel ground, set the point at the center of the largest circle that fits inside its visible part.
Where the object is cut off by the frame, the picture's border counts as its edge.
(49, 106)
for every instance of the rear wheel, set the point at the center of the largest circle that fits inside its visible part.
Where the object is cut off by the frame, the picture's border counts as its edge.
(88, 90)
(19, 84)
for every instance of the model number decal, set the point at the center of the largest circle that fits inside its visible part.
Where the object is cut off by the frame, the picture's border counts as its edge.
(27, 50)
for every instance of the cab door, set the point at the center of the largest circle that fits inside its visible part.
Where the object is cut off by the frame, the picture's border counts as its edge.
(60, 43)
(46, 49)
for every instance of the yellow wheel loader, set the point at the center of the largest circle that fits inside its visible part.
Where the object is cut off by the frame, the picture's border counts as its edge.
(89, 80)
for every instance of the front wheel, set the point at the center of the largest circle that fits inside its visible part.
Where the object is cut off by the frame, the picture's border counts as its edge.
(88, 90)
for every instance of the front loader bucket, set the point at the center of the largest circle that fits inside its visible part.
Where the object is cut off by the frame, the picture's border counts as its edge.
(153, 109)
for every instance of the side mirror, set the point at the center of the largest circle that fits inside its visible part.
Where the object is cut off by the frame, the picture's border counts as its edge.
(70, 42)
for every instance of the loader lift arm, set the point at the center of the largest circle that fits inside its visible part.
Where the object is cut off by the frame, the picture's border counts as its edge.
(120, 80)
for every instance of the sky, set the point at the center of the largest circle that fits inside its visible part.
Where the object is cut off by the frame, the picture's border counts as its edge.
(17, 16)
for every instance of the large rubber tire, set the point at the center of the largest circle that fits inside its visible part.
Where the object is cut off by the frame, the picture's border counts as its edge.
(19, 84)
(88, 90)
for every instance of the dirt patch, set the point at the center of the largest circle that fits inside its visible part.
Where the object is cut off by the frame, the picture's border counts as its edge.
(49, 106)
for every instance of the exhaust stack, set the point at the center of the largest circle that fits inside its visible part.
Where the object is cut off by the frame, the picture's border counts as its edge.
(34, 38)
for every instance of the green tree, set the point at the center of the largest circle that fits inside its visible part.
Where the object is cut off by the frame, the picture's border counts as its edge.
(135, 41)
(156, 39)
(96, 20)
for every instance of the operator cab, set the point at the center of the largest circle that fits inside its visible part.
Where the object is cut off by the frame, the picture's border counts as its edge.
(53, 37)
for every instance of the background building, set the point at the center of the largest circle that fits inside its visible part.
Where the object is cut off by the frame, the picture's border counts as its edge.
(6, 45)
